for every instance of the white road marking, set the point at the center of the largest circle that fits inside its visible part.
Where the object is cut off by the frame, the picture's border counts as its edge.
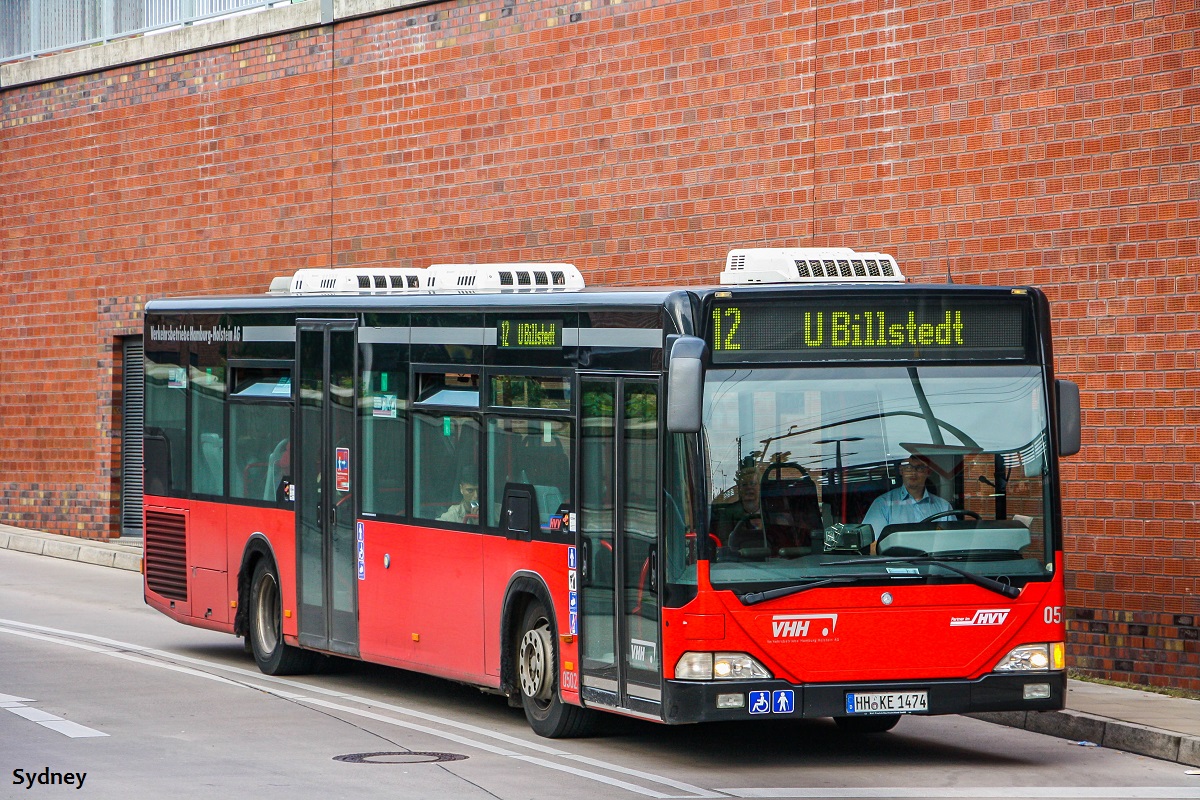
(8, 698)
(476, 737)
(979, 793)
(490, 741)
(16, 705)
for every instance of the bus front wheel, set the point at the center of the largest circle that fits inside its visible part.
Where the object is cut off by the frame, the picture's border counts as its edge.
(537, 675)
(272, 655)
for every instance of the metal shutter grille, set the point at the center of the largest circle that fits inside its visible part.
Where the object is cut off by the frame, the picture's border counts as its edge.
(166, 554)
(133, 407)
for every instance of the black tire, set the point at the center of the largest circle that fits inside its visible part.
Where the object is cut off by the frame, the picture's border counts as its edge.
(876, 723)
(272, 655)
(537, 680)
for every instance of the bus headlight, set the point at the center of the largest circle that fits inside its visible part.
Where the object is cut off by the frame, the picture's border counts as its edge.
(719, 666)
(1033, 658)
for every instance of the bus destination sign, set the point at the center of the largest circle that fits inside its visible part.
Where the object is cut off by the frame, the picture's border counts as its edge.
(528, 334)
(909, 328)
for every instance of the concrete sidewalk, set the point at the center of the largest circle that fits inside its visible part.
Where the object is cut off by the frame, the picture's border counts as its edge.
(1145, 723)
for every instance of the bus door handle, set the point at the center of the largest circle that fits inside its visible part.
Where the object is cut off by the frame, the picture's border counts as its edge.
(652, 562)
(585, 550)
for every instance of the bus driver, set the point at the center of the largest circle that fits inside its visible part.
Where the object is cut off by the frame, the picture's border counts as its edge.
(908, 502)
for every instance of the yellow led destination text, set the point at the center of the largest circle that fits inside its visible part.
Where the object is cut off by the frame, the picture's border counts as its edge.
(537, 334)
(873, 329)
(530, 333)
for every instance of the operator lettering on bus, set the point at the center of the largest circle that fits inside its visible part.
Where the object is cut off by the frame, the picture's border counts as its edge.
(908, 502)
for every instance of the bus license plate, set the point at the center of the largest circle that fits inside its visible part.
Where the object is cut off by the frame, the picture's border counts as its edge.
(887, 702)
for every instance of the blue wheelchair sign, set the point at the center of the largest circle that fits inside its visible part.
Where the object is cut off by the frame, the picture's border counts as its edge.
(760, 702)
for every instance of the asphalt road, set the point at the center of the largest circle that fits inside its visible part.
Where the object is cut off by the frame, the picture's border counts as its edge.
(97, 687)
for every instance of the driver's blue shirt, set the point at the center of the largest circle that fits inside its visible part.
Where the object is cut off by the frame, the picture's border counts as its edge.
(897, 507)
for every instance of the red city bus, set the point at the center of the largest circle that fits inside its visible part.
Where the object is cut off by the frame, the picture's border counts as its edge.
(812, 490)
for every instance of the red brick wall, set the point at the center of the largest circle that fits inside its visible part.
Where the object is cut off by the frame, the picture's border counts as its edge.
(1041, 143)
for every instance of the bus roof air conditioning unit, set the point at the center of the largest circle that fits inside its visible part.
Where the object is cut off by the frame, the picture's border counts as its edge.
(475, 278)
(808, 265)
(378, 280)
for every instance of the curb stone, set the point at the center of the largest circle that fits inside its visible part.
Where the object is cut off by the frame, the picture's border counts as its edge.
(120, 556)
(1114, 734)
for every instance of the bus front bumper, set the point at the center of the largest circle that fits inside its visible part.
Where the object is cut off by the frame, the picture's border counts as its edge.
(710, 701)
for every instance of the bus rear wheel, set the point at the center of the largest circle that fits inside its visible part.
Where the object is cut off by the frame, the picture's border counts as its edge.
(876, 723)
(537, 676)
(273, 656)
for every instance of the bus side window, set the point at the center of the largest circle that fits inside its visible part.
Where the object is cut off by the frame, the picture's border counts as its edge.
(443, 447)
(165, 456)
(534, 452)
(545, 457)
(256, 432)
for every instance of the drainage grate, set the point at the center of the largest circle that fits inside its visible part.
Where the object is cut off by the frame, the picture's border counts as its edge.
(399, 758)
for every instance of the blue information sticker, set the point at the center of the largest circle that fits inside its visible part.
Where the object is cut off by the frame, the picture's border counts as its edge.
(760, 702)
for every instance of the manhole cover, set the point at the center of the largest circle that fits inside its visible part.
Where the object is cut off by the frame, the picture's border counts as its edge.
(398, 758)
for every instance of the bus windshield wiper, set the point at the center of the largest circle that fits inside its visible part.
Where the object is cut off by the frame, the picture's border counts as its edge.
(754, 598)
(1006, 589)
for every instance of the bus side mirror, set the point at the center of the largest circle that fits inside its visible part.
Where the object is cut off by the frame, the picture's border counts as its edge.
(685, 385)
(1069, 417)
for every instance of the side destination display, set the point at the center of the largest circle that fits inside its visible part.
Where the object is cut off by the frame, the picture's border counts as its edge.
(529, 333)
(918, 328)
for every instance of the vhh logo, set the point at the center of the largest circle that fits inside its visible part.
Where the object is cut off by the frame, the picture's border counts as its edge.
(796, 626)
(984, 616)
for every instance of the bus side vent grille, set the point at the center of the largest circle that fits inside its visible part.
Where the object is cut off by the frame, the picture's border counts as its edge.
(506, 279)
(166, 554)
(364, 281)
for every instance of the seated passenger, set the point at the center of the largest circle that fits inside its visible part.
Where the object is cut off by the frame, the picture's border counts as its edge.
(466, 510)
(746, 525)
(908, 502)
(739, 513)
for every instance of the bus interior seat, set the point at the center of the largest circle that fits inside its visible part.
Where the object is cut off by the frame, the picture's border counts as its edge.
(276, 468)
(549, 498)
(156, 461)
(544, 462)
(788, 496)
(209, 480)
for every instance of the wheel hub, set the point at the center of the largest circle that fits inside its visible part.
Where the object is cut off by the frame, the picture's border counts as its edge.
(266, 620)
(534, 663)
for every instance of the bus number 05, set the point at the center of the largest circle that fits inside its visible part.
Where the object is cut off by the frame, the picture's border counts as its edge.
(1052, 615)
(734, 317)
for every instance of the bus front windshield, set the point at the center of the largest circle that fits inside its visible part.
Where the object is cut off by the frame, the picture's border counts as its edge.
(838, 475)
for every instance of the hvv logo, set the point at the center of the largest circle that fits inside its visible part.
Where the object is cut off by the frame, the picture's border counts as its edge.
(796, 626)
(984, 616)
